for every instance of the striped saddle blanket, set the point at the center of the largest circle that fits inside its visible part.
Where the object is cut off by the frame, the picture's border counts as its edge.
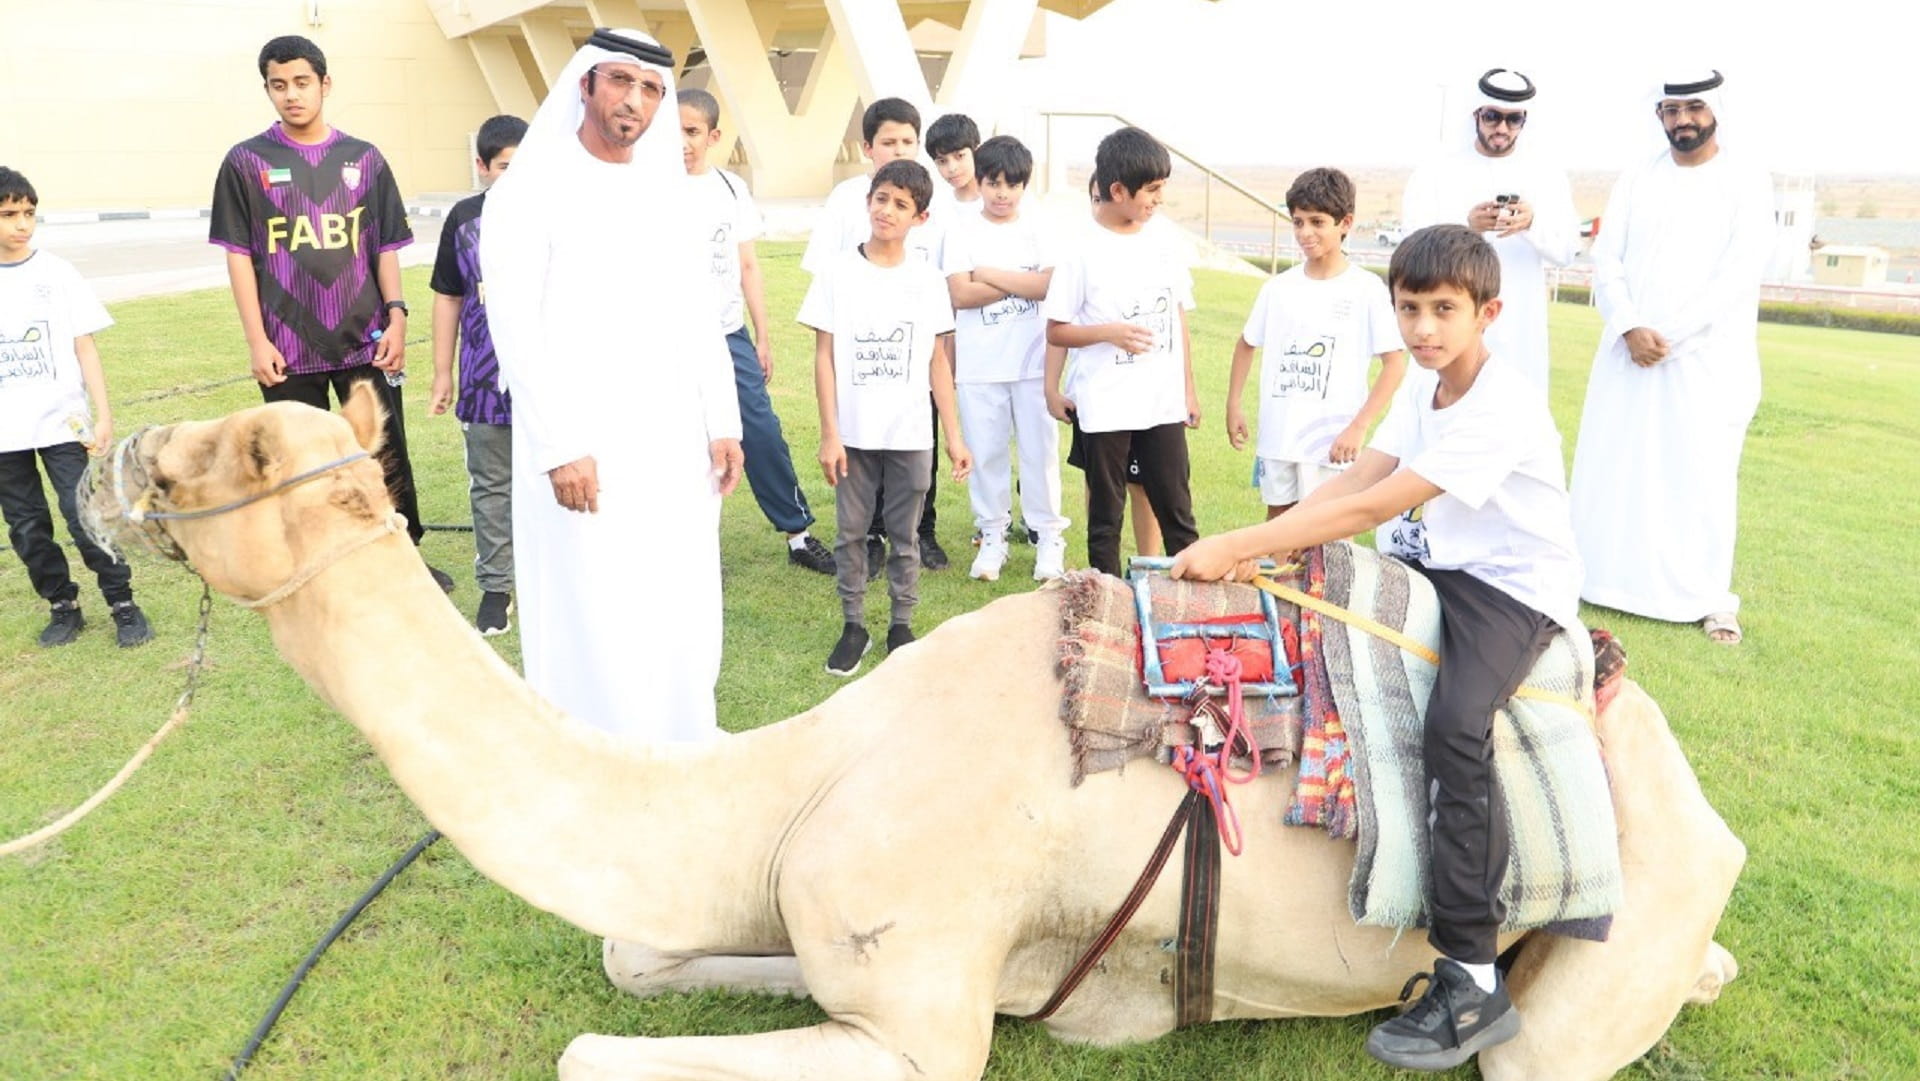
(1363, 702)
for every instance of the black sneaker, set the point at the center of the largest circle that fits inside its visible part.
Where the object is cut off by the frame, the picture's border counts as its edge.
(1451, 1023)
(847, 652)
(63, 624)
(932, 556)
(442, 579)
(812, 555)
(876, 556)
(130, 626)
(898, 635)
(495, 614)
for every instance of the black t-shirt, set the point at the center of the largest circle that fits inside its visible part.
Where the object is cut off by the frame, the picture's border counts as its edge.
(456, 273)
(314, 220)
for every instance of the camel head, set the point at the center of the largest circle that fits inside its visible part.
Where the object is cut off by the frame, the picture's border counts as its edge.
(247, 499)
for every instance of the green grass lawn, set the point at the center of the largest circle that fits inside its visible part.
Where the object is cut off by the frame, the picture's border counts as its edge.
(146, 942)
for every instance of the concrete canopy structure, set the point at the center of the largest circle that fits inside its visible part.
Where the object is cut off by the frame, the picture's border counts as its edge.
(791, 75)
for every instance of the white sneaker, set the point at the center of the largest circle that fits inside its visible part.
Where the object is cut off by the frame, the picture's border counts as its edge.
(991, 557)
(1049, 557)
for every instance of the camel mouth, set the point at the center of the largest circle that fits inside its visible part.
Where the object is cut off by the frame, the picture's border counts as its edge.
(114, 494)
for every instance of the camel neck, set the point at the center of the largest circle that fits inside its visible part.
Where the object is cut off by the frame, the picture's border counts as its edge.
(576, 822)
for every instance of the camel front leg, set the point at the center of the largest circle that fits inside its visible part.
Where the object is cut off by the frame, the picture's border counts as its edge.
(933, 1046)
(1589, 1009)
(643, 971)
(833, 1051)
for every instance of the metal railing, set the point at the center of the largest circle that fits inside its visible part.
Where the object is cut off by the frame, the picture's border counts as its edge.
(1276, 214)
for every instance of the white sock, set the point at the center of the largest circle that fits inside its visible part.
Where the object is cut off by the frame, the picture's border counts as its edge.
(797, 541)
(1484, 976)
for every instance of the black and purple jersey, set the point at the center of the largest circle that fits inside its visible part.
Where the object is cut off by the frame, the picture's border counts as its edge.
(456, 273)
(314, 220)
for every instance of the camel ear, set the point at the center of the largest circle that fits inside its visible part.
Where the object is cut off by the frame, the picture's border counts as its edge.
(368, 417)
(260, 450)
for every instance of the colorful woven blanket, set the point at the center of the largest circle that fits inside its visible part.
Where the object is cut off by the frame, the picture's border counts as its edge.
(1109, 718)
(1364, 701)
(1565, 860)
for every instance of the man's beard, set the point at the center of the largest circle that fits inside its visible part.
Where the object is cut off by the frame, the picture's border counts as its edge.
(610, 129)
(1696, 140)
(1495, 152)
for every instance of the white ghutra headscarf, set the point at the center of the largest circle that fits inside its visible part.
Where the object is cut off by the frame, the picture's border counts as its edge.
(557, 122)
(1690, 84)
(1502, 89)
(657, 285)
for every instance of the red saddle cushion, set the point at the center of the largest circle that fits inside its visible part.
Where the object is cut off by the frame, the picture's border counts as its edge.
(1185, 659)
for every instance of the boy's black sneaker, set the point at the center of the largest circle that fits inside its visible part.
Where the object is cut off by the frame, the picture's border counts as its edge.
(1451, 1023)
(898, 635)
(495, 614)
(876, 556)
(442, 579)
(932, 556)
(130, 626)
(853, 645)
(812, 555)
(63, 624)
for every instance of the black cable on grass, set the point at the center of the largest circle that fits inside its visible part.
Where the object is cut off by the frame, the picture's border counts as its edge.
(286, 993)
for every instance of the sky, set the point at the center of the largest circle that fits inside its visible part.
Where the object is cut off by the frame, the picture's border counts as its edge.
(1813, 87)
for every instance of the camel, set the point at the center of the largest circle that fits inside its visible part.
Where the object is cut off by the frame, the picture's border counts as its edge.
(909, 853)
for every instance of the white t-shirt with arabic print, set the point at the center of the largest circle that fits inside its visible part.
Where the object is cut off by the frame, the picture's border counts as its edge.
(44, 306)
(1100, 277)
(1317, 337)
(728, 219)
(1005, 341)
(884, 321)
(1502, 514)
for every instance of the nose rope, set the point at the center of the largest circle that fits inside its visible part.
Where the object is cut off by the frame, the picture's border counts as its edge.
(140, 514)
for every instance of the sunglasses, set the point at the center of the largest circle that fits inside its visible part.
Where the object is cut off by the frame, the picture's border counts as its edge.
(1493, 118)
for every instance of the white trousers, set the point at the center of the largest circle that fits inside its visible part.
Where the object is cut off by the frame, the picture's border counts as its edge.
(993, 416)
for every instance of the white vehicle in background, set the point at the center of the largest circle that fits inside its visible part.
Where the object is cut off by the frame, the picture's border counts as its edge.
(1388, 234)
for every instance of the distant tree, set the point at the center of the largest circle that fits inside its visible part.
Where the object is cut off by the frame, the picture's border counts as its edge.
(1867, 208)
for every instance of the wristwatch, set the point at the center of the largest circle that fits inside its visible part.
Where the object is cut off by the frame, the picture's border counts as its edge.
(401, 304)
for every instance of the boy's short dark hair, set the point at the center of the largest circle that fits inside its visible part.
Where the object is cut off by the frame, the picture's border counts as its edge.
(888, 110)
(1005, 157)
(1328, 191)
(910, 177)
(952, 132)
(1130, 158)
(14, 188)
(498, 133)
(1440, 256)
(708, 105)
(285, 50)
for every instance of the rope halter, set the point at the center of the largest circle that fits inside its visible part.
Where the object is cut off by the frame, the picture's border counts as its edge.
(142, 516)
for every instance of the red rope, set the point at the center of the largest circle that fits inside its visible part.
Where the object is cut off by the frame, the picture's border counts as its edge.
(1208, 773)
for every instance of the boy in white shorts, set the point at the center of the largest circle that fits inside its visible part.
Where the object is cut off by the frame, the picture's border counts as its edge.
(1320, 324)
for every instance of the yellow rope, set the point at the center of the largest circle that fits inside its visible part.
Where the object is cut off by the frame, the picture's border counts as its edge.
(1419, 649)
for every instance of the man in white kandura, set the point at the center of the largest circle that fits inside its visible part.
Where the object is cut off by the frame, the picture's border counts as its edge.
(1515, 198)
(626, 430)
(1677, 266)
